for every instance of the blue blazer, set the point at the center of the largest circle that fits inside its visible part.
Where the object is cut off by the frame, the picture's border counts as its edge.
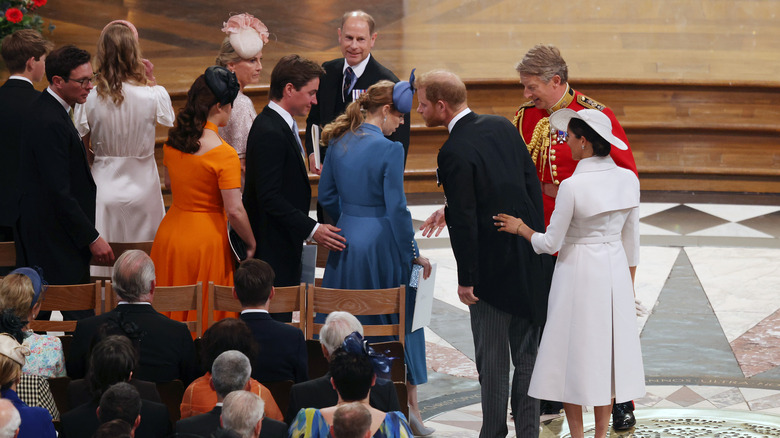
(36, 422)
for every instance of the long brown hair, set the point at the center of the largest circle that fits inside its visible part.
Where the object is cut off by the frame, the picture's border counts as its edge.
(377, 96)
(186, 132)
(118, 60)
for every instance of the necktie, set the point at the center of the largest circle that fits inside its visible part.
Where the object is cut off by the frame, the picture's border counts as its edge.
(298, 140)
(349, 78)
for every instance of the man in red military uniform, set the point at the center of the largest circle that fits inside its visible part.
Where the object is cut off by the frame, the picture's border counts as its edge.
(544, 74)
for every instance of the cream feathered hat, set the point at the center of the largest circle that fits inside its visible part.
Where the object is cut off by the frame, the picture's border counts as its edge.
(12, 349)
(247, 34)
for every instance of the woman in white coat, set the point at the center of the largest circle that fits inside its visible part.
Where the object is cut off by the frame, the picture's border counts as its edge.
(595, 229)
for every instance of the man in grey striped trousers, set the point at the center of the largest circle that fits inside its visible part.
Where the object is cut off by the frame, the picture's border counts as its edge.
(485, 170)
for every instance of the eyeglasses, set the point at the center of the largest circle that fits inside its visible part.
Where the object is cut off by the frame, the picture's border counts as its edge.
(85, 82)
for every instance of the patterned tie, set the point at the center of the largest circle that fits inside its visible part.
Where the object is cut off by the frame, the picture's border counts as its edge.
(298, 140)
(349, 78)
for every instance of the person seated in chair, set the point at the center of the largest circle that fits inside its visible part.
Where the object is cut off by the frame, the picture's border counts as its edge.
(319, 392)
(229, 373)
(242, 415)
(282, 346)
(162, 358)
(224, 335)
(113, 361)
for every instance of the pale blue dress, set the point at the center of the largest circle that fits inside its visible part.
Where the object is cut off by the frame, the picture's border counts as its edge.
(362, 187)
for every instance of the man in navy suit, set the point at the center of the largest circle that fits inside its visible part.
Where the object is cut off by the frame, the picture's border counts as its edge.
(24, 53)
(282, 347)
(57, 210)
(277, 195)
(356, 39)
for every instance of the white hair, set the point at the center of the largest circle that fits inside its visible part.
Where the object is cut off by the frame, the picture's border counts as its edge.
(9, 419)
(241, 411)
(338, 325)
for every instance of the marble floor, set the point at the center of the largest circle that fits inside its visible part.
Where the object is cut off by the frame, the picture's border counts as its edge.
(709, 279)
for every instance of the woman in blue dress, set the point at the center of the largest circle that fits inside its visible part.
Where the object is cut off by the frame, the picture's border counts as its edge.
(362, 186)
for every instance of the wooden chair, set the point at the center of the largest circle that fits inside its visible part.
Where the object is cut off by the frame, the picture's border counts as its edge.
(7, 254)
(66, 340)
(71, 297)
(59, 391)
(171, 299)
(171, 394)
(281, 393)
(358, 302)
(318, 365)
(286, 299)
(394, 350)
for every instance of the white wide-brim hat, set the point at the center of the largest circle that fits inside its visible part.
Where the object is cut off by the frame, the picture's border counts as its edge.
(594, 118)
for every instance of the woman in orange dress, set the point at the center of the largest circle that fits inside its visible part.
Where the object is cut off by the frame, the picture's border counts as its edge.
(204, 175)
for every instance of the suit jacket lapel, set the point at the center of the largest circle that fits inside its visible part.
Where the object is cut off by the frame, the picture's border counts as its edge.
(282, 125)
(74, 132)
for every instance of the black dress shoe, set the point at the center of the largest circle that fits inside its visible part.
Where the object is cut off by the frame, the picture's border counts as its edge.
(623, 416)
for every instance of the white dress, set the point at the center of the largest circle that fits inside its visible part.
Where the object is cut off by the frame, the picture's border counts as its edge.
(591, 311)
(129, 201)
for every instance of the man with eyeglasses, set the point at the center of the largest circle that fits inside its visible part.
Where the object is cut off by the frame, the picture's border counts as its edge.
(57, 210)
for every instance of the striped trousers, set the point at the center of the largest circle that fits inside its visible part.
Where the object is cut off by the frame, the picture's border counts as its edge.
(499, 336)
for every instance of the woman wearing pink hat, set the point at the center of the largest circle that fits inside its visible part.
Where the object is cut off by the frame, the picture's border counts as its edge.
(595, 229)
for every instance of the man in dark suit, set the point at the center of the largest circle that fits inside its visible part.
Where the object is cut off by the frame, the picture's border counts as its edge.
(120, 401)
(356, 39)
(230, 372)
(57, 210)
(485, 170)
(24, 53)
(319, 393)
(282, 346)
(165, 346)
(277, 195)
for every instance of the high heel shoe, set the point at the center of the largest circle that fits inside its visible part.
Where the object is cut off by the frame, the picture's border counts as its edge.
(419, 429)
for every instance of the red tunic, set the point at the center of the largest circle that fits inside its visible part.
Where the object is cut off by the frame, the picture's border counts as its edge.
(552, 157)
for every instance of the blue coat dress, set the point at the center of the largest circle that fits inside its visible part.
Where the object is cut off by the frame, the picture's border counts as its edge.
(362, 185)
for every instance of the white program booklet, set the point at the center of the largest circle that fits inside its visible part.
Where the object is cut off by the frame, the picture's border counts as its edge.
(315, 145)
(424, 302)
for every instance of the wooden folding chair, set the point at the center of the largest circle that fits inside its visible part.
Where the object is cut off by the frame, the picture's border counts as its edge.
(286, 299)
(7, 254)
(118, 248)
(317, 365)
(71, 297)
(358, 302)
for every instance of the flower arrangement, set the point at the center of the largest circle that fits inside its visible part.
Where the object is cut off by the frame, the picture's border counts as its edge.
(19, 14)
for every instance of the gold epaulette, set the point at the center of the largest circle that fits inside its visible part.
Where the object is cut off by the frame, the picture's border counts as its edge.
(519, 114)
(589, 103)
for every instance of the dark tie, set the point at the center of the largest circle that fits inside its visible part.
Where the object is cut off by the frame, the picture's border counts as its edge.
(349, 77)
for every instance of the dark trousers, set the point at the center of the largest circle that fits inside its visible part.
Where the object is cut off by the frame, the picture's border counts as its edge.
(499, 337)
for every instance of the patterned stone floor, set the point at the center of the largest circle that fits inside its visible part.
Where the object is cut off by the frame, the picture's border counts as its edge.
(710, 279)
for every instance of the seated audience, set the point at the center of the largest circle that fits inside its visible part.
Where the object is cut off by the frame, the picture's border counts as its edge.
(113, 360)
(319, 392)
(36, 422)
(162, 358)
(352, 373)
(22, 292)
(9, 419)
(282, 346)
(242, 412)
(227, 334)
(230, 372)
(351, 420)
(120, 402)
(114, 429)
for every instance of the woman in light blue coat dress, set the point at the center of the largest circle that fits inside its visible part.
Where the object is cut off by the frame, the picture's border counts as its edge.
(362, 187)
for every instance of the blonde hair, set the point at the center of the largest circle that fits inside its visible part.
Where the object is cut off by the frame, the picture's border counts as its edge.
(227, 54)
(544, 61)
(118, 60)
(16, 293)
(10, 371)
(377, 96)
